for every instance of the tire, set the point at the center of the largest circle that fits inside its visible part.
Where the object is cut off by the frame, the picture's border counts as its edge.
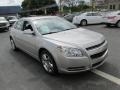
(48, 62)
(118, 24)
(108, 25)
(83, 23)
(13, 46)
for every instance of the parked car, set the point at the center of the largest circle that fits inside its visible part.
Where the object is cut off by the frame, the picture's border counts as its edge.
(70, 17)
(113, 18)
(12, 19)
(4, 24)
(88, 18)
(58, 44)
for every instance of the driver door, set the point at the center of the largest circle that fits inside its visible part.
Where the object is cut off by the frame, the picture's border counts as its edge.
(29, 40)
(90, 19)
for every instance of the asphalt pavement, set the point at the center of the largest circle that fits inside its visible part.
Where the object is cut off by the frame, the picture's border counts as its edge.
(19, 71)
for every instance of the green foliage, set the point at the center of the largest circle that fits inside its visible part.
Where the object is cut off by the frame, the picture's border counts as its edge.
(76, 9)
(32, 7)
(34, 4)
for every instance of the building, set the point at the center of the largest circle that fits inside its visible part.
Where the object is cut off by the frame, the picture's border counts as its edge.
(98, 4)
(113, 4)
(9, 10)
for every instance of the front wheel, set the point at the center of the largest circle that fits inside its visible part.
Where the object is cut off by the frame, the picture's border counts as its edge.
(48, 62)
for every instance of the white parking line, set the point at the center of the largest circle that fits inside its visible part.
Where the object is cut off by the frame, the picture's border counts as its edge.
(107, 76)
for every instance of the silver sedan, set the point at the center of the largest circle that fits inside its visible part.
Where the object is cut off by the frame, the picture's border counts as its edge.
(58, 44)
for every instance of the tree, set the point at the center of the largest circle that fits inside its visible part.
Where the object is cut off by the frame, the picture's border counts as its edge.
(34, 4)
(74, 5)
(36, 7)
(70, 3)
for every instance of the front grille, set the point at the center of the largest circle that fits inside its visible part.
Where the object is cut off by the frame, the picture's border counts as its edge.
(96, 46)
(2, 24)
(98, 55)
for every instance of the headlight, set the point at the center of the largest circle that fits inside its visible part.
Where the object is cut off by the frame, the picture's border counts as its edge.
(71, 52)
(7, 24)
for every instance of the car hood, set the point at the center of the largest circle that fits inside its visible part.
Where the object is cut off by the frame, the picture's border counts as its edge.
(14, 20)
(3, 21)
(80, 37)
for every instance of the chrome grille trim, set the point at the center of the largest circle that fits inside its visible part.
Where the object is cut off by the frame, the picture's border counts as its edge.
(98, 55)
(96, 46)
(2, 24)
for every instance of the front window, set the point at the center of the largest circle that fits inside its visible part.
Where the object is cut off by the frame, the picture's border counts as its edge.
(18, 25)
(12, 18)
(89, 14)
(53, 25)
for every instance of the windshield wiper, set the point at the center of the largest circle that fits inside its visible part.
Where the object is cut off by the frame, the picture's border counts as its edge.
(49, 33)
(70, 28)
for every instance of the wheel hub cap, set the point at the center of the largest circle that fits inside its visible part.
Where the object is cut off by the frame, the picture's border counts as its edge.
(47, 64)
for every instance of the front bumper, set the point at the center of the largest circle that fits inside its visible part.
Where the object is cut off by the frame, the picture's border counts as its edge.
(80, 64)
(4, 28)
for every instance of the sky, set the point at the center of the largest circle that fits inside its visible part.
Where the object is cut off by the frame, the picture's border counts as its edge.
(16, 2)
(10, 2)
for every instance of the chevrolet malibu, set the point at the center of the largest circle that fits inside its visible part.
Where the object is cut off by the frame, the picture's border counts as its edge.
(59, 45)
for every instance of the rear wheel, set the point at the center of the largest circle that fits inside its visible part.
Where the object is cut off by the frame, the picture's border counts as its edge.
(48, 62)
(83, 23)
(118, 24)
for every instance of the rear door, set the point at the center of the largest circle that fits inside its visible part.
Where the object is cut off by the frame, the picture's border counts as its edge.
(17, 32)
(94, 18)
(90, 19)
(98, 18)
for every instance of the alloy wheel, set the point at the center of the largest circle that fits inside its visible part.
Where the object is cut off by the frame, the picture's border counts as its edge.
(47, 63)
(12, 44)
(83, 22)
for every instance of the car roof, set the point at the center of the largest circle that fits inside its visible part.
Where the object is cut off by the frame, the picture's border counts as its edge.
(37, 17)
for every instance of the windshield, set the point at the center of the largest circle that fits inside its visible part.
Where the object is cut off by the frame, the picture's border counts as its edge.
(53, 25)
(2, 19)
(12, 18)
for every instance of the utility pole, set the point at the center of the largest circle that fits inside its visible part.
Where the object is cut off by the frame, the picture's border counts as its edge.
(93, 4)
(60, 6)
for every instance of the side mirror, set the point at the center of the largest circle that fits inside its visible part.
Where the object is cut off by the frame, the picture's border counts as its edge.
(29, 32)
